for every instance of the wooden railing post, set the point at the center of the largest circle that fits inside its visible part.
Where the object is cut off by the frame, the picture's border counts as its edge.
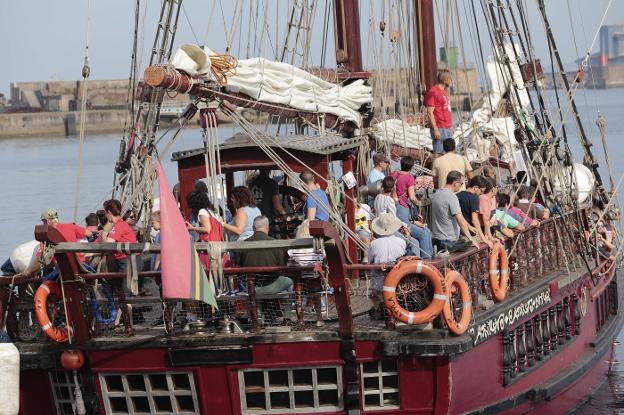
(560, 323)
(514, 356)
(538, 338)
(528, 326)
(299, 302)
(507, 357)
(521, 348)
(336, 261)
(567, 312)
(577, 315)
(253, 303)
(546, 333)
(553, 328)
(68, 267)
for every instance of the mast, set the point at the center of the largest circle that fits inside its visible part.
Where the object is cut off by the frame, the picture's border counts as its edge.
(349, 55)
(590, 160)
(425, 43)
(347, 34)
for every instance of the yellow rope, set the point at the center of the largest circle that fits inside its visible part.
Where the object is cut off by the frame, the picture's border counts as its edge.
(223, 66)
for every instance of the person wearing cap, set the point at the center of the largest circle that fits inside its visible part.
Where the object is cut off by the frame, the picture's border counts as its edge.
(377, 173)
(70, 231)
(386, 247)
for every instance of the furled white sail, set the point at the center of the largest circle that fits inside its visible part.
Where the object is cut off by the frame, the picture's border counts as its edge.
(485, 127)
(398, 132)
(280, 83)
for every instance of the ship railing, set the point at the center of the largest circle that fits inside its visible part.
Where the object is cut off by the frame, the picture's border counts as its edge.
(313, 303)
(534, 254)
(242, 305)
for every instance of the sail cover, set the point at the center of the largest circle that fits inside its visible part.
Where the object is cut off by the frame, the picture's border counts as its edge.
(399, 132)
(182, 275)
(280, 83)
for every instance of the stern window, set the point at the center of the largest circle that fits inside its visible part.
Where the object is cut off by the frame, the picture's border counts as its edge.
(297, 390)
(380, 385)
(149, 393)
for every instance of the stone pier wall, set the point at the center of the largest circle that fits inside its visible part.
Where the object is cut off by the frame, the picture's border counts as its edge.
(46, 124)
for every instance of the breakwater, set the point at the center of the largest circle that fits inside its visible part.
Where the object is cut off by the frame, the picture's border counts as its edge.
(42, 124)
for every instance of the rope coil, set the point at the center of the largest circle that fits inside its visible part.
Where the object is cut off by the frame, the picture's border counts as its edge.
(223, 66)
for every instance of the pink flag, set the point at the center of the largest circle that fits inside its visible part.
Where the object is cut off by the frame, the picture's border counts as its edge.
(182, 275)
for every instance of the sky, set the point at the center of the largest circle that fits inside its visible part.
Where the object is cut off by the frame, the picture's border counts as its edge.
(45, 40)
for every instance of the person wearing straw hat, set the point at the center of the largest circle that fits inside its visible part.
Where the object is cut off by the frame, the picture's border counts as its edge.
(387, 247)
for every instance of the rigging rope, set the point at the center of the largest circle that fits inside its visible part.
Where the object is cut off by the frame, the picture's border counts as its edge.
(86, 70)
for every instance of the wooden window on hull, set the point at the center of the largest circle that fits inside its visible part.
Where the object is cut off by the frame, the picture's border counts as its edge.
(380, 385)
(296, 390)
(149, 393)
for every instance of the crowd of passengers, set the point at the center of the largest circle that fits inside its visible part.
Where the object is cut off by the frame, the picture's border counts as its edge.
(250, 211)
(466, 209)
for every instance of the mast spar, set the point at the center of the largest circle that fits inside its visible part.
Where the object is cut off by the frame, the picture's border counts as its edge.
(425, 44)
(348, 41)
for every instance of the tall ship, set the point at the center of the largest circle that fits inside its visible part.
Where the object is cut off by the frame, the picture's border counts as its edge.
(525, 323)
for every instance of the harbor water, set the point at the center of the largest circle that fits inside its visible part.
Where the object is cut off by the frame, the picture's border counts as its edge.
(41, 172)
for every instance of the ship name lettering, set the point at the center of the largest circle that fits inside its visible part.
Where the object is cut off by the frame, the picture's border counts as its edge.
(509, 317)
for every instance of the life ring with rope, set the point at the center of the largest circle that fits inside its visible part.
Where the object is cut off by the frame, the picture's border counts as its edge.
(499, 272)
(60, 335)
(411, 266)
(455, 279)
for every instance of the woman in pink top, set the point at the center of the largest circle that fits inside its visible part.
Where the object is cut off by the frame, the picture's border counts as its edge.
(519, 213)
(404, 188)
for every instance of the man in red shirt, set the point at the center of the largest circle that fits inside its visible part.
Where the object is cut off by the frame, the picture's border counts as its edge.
(70, 231)
(439, 111)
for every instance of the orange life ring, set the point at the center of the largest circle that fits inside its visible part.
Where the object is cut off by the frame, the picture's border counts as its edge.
(41, 311)
(457, 327)
(409, 267)
(499, 266)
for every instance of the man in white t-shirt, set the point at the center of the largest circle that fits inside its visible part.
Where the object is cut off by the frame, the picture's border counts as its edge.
(449, 162)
